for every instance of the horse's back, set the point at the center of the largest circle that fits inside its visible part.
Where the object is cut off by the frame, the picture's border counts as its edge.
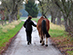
(39, 25)
(47, 24)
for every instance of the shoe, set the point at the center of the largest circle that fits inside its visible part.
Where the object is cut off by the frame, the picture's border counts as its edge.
(28, 43)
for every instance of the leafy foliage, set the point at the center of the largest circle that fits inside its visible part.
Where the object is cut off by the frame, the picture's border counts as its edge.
(31, 8)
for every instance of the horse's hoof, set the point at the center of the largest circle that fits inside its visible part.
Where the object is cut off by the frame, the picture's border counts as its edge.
(46, 45)
(42, 44)
(40, 41)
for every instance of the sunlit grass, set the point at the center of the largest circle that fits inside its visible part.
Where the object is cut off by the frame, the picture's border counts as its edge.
(57, 27)
(57, 31)
(10, 26)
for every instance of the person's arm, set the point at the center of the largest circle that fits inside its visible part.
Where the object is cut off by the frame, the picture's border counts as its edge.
(24, 24)
(34, 24)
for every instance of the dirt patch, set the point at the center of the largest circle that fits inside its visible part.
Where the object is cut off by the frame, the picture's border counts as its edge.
(63, 44)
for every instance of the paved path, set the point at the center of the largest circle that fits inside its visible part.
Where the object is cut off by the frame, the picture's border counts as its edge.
(20, 47)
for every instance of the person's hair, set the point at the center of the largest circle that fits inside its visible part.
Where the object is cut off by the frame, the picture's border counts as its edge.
(29, 17)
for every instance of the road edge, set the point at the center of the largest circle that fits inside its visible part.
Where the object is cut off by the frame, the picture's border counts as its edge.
(8, 44)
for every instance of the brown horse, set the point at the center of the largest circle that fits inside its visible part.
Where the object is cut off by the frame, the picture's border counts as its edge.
(43, 27)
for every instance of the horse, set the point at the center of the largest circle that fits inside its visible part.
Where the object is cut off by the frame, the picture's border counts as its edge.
(43, 26)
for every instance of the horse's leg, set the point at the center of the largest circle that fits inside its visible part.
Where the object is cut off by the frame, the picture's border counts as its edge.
(43, 40)
(46, 41)
(40, 38)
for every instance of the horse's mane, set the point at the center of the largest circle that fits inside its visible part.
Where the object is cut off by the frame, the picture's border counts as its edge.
(42, 17)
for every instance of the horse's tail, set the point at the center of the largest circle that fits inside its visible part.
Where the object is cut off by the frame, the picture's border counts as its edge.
(44, 28)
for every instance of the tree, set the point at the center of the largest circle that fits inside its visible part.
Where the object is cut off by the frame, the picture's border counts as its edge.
(43, 7)
(66, 7)
(59, 14)
(11, 8)
(31, 8)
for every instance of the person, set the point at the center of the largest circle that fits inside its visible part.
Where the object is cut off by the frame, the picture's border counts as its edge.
(28, 25)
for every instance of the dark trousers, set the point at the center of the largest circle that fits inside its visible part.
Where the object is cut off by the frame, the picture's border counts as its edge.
(28, 33)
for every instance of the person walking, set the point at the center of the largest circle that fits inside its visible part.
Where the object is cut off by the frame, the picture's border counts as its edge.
(28, 25)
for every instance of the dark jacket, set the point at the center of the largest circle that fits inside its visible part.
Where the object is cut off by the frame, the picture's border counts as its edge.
(28, 25)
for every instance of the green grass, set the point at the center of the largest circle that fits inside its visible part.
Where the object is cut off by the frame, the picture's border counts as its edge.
(57, 33)
(70, 52)
(6, 36)
(49, 18)
(56, 19)
(21, 18)
(35, 19)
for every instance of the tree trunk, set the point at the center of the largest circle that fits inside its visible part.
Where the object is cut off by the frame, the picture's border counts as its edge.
(15, 18)
(70, 22)
(66, 25)
(52, 17)
(9, 18)
(59, 20)
(71, 27)
(5, 20)
(2, 22)
(12, 17)
(54, 20)
(16, 15)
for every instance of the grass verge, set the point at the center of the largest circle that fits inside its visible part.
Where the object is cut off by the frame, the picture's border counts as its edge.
(5, 36)
(61, 39)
